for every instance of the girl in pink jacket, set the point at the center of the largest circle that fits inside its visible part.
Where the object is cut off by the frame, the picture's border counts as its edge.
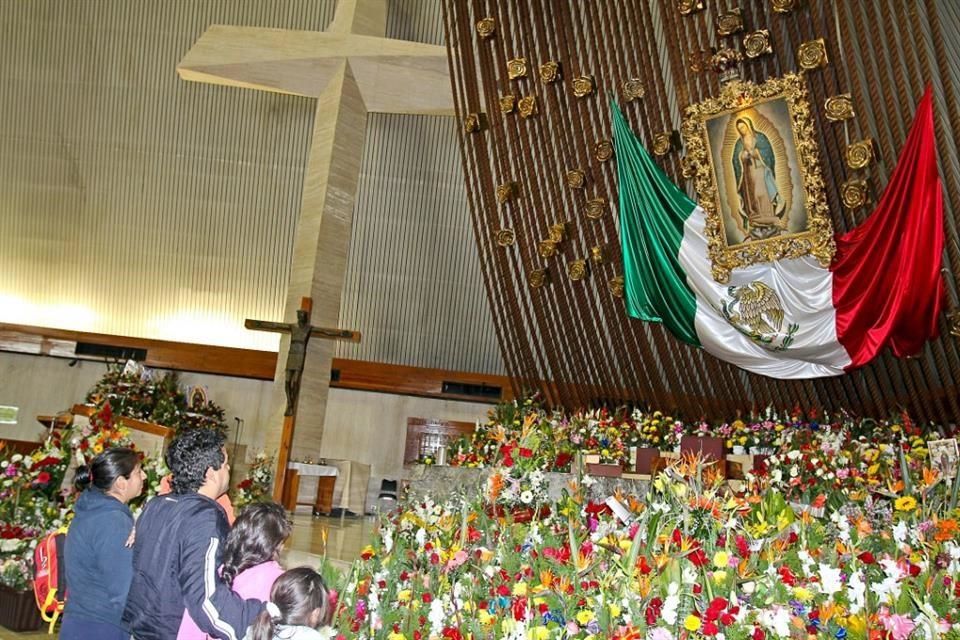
(249, 557)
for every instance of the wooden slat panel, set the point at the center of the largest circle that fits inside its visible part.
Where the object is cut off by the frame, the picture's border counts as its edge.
(249, 363)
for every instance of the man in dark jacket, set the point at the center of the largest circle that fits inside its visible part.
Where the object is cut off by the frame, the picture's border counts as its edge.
(179, 540)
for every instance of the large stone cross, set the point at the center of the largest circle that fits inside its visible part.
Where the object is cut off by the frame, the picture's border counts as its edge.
(351, 69)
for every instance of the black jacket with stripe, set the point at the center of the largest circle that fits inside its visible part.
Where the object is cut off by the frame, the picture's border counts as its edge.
(176, 556)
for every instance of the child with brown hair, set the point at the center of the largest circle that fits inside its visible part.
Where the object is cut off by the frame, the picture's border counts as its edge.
(300, 608)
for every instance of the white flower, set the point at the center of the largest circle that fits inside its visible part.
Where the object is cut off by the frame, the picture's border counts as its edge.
(900, 532)
(436, 617)
(526, 497)
(777, 620)
(671, 604)
(830, 581)
(17, 457)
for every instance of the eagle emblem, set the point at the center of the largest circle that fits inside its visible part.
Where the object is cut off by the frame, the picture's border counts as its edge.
(755, 310)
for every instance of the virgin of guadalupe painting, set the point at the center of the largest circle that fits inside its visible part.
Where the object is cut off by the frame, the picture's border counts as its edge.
(761, 209)
(757, 175)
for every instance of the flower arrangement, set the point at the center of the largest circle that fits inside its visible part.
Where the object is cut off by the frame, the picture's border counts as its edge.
(689, 560)
(518, 431)
(135, 391)
(655, 430)
(602, 433)
(255, 487)
(34, 499)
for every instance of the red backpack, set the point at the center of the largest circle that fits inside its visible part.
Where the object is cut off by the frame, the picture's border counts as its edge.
(49, 581)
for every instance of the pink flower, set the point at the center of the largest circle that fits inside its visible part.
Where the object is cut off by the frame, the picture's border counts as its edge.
(898, 626)
(458, 559)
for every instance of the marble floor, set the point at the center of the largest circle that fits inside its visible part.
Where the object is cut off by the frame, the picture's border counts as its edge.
(342, 542)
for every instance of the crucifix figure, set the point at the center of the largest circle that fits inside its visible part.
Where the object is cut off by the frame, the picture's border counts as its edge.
(351, 69)
(300, 333)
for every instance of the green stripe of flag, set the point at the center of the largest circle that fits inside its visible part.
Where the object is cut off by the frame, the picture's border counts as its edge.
(652, 215)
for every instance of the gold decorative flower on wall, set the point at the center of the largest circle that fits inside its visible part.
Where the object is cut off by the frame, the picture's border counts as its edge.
(596, 207)
(505, 237)
(633, 89)
(474, 122)
(603, 150)
(507, 192)
(812, 55)
(860, 154)
(517, 68)
(547, 248)
(839, 107)
(686, 7)
(577, 270)
(550, 71)
(730, 23)
(784, 6)
(757, 43)
(508, 103)
(486, 27)
(583, 86)
(537, 278)
(616, 286)
(527, 106)
(575, 178)
(853, 193)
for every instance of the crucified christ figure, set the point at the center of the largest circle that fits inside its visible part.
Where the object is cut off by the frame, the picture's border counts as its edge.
(300, 334)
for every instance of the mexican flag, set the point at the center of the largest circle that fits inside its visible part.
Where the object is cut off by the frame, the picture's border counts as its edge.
(792, 318)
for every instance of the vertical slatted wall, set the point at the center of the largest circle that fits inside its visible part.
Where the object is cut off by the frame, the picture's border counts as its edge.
(134, 203)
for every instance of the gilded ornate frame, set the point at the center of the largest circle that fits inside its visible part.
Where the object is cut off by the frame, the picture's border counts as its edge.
(817, 239)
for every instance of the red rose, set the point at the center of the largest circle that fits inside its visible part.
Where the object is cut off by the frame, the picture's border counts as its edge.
(43, 477)
(526, 453)
(758, 634)
(427, 598)
(698, 557)
(866, 558)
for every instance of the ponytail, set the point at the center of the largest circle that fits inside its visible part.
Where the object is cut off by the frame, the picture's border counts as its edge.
(263, 627)
(82, 478)
(104, 470)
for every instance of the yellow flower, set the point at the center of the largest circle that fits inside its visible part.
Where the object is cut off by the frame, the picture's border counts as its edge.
(614, 610)
(857, 624)
(539, 632)
(485, 618)
(584, 616)
(396, 636)
(98, 448)
(721, 559)
(520, 589)
(719, 577)
(906, 503)
(802, 594)
(692, 623)
(404, 595)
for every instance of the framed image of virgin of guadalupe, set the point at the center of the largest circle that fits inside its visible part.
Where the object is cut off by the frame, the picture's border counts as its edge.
(753, 155)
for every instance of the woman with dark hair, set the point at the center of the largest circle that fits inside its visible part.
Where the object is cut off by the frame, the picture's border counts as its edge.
(97, 558)
(249, 557)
